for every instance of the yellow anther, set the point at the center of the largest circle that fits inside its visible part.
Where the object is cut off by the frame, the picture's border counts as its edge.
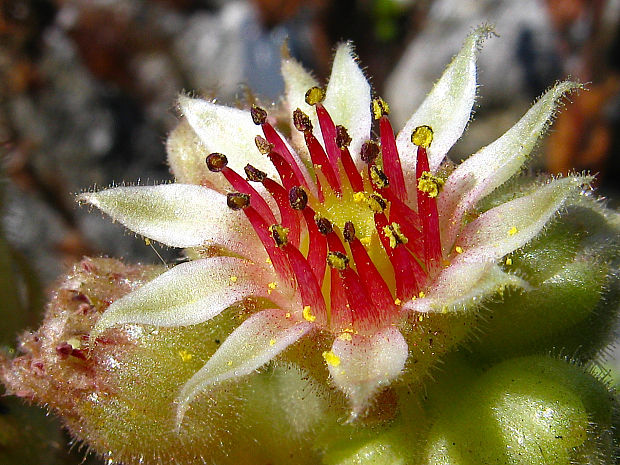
(185, 355)
(421, 295)
(512, 231)
(509, 261)
(315, 95)
(458, 249)
(380, 107)
(272, 342)
(359, 197)
(337, 260)
(398, 302)
(378, 177)
(395, 235)
(422, 136)
(345, 337)
(279, 234)
(376, 203)
(272, 286)
(331, 358)
(307, 314)
(430, 184)
(234, 279)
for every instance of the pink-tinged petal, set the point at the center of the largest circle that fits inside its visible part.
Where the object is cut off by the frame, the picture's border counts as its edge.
(178, 215)
(189, 293)
(462, 285)
(511, 225)
(494, 164)
(255, 342)
(347, 99)
(361, 365)
(447, 107)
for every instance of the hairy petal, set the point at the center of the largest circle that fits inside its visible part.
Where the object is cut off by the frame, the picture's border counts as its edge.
(189, 293)
(511, 225)
(348, 97)
(447, 108)
(178, 215)
(255, 342)
(186, 157)
(494, 164)
(363, 365)
(464, 284)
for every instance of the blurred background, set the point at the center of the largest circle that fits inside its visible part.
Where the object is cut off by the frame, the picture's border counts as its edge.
(87, 92)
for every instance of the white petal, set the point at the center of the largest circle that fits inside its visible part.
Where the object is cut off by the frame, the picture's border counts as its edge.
(296, 82)
(364, 364)
(348, 97)
(494, 164)
(464, 284)
(178, 215)
(447, 108)
(186, 157)
(189, 293)
(255, 342)
(511, 225)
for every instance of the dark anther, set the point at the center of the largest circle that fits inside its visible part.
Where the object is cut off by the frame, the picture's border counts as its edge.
(378, 177)
(324, 225)
(254, 174)
(349, 232)
(301, 121)
(259, 115)
(315, 95)
(279, 234)
(262, 145)
(342, 137)
(369, 151)
(237, 200)
(380, 200)
(216, 162)
(337, 260)
(298, 198)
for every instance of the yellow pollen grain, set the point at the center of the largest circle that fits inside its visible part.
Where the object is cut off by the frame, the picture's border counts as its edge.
(268, 261)
(509, 261)
(395, 235)
(398, 302)
(234, 279)
(422, 136)
(185, 355)
(366, 241)
(272, 342)
(147, 241)
(229, 363)
(430, 184)
(512, 231)
(345, 337)
(421, 318)
(359, 197)
(421, 295)
(307, 314)
(271, 287)
(331, 358)
(348, 330)
(287, 314)
(458, 249)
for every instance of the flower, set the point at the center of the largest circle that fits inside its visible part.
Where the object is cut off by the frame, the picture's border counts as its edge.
(347, 236)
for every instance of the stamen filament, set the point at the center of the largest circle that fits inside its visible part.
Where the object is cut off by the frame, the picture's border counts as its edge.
(427, 209)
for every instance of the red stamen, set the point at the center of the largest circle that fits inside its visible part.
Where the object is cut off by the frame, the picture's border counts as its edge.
(340, 311)
(256, 200)
(280, 147)
(328, 130)
(355, 178)
(427, 209)
(290, 218)
(319, 159)
(317, 248)
(391, 160)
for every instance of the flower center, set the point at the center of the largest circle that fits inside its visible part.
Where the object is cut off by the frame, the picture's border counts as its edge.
(348, 239)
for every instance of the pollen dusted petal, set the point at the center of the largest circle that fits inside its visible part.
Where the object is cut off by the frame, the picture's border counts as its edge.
(348, 98)
(188, 294)
(494, 164)
(513, 224)
(447, 108)
(366, 364)
(225, 130)
(254, 343)
(462, 284)
(178, 215)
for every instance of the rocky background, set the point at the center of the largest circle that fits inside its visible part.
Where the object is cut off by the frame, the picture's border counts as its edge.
(87, 92)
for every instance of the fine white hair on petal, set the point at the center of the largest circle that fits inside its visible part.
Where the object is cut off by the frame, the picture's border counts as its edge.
(446, 109)
(189, 293)
(361, 365)
(347, 98)
(178, 215)
(463, 284)
(513, 224)
(255, 342)
(494, 164)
